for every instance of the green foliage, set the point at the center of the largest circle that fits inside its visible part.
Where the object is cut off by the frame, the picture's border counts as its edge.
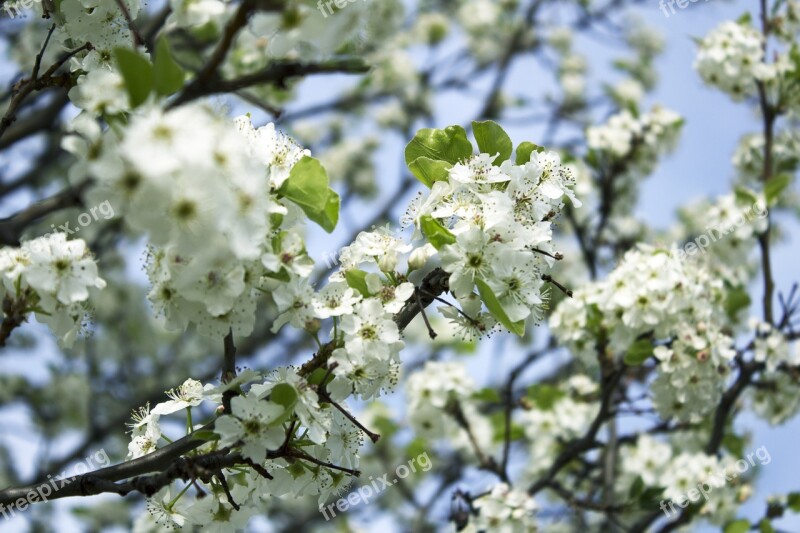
(357, 279)
(285, 395)
(775, 186)
(524, 151)
(492, 139)
(436, 234)
(544, 396)
(168, 76)
(488, 395)
(141, 77)
(639, 352)
(307, 186)
(137, 72)
(737, 526)
(493, 305)
(450, 145)
(429, 170)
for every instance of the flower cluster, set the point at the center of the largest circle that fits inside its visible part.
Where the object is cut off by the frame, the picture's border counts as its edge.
(438, 396)
(731, 58)
(100, 88)
(749, 156)
(653, 297)
(657, 463)
(256, 425)
(53, 278)
(194, 181)
(726, 230)
(504, 509)
(499, 217)
(554, 415)
(571, 69)
(640, 139)
(771, 347)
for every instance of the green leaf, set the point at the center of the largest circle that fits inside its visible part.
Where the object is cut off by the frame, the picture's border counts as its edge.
(775, 186)
(765, 526)
(283, 394)
(436, 234)
(594, 319)
(498, 421)
(745, 196)
(307, 186)
(737, 526)
(639, 352)
(744, 20)
(493, 305)
(524, 151)
(167, 74)
(736, 300)
(384, 426)
(204, 434)
(416, 447)
(450, 144)
(793, 501)
(357, 279)
(137, 72)
(487, 395)
(328, 217)
(650, 497)
(637, 488)
(492, 139)
(318, 375)
(544, 395)
(429, 170)
(734, 444)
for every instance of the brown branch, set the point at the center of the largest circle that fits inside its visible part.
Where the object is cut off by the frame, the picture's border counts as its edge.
(162, 459)
(587, 442)
(36, 83)
(11, 228)
(277, 73)
(228, 369)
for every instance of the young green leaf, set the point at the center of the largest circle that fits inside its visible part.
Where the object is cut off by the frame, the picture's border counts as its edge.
(775, 186)
(493, 305)
(450, 145)
(544, 395)
(492, 139)
(307, 186)
(167, 74)
(285, 395)
(357, 279)
(436, 234)
(429, 170)
(737, 526)
(639, 352)
(137, 72)
(328, 217)
(524, 151)
(488, 395)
